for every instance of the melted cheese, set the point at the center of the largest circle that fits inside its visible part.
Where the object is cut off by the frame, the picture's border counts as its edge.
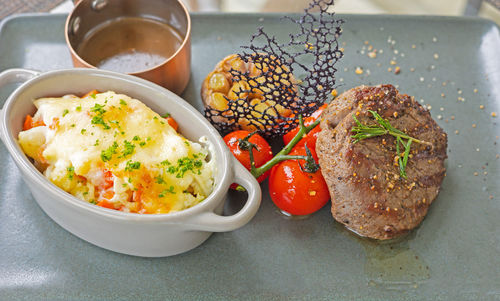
(113, 150)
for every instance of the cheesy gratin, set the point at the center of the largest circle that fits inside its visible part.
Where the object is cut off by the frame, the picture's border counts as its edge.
(112, 150)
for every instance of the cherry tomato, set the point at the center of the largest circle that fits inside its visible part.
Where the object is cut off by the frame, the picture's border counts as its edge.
(261, 153)
(295, 191)
(309, 138)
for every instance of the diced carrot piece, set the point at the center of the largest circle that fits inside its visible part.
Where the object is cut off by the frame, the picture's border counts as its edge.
(81, 179)
(146, 179)
(108, 194)
(28, 123)
(41, 158)
(172, 123)
(137, 196)
(55, 123)
(106, 204)
(38, 123)
(108, 180)
(105, 191)
(93, 92)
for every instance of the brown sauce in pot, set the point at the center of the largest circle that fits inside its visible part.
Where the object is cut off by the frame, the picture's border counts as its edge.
(130, 44)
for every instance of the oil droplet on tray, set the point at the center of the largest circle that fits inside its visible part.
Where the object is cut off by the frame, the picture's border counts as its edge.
(393, 264)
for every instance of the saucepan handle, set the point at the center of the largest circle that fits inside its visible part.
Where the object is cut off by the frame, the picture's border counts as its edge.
(10, 76)
(210, 221)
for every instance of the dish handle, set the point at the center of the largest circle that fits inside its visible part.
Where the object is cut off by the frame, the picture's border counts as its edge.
(10, 76)
(210, 221)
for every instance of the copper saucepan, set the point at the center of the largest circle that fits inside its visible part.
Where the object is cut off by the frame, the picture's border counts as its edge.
(90, 16)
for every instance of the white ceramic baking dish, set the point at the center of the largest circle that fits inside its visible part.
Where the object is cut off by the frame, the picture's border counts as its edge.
(129, 233)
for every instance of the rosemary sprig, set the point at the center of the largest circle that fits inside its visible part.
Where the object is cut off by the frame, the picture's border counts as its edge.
(385, 128)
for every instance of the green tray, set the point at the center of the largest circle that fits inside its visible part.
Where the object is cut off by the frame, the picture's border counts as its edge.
(453, 255)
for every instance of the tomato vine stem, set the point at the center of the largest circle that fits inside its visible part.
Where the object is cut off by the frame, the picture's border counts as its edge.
(283, 154)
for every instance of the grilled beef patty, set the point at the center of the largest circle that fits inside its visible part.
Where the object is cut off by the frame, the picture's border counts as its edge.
(368, 194)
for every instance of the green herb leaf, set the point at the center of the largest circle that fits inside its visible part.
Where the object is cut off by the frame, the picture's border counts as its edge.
(169, 190)
(71, 172)
(128, 148)
(132, 165)
(98, 109)
(187, 164)
(108, 153)
(172, 169)
(159, 180)
(98, 120)
(65, 112)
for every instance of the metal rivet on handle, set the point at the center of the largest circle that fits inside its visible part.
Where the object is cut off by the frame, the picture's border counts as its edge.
(97, 5)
